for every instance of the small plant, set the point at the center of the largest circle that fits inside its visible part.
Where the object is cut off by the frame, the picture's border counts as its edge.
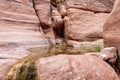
(63, 45)
(81, 47)
(97, 48)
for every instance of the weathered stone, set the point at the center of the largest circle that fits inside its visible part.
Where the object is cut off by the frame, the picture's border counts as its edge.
(112, 29)
(87, 46)
(72, 67)
(57, 21)
(108, 54)
(19, 23)
(84, 25)
(43, 9)
(111, 52)
(57, 2)
(91, 5)
(62, 10)
(4, 66)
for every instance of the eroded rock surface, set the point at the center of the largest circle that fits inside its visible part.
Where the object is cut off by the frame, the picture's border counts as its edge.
(82, 22)
(111, 27)
(4, 67)
(19, 23)
(112, 31)
(43, 10)
(84, 25)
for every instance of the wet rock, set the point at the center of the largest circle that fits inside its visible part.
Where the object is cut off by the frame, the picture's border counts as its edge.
(71, 67)
(4, 67)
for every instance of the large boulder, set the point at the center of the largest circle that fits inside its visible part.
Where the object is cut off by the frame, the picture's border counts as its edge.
(85, 19)
(72, 67)
(84, 25)
(112, 31)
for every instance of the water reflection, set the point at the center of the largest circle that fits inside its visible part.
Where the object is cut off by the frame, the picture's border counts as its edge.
(49, 51)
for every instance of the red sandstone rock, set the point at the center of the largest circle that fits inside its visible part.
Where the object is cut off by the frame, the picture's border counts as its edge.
(84, 25)
(71, 67)
(91, 5)
(110, 54)
(57, 21)
(86, 46)
(82, 22)
(112, 27)
(43, 9)
(19, 23)
(4, 66)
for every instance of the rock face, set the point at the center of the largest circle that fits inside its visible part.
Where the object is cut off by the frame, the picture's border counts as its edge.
(85, 19)
(92, 5)
(111, 27)
(43, 9)
(87, 46)
(108, 54)
(4, 65)
(9, 54)
(41, 21)
(84, 25)
(112, 31)
(19, 23)
(71, 67)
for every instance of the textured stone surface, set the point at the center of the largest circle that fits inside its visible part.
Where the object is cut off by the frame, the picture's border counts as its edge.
(4, 65)
(71, 67)
(91, 5)
(19, 23)
(86, 46)
(111, 27)
(85, 19)
(43, 9)
(108, 54)
(84, 25)
(112, 31)
(57, 21)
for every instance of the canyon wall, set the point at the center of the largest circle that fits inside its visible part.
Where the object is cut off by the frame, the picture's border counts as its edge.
(49, 22)
(19, 23)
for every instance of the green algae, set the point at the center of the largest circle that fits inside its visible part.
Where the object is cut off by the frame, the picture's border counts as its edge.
(26, 71)
(32, 72)
(21, 75)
